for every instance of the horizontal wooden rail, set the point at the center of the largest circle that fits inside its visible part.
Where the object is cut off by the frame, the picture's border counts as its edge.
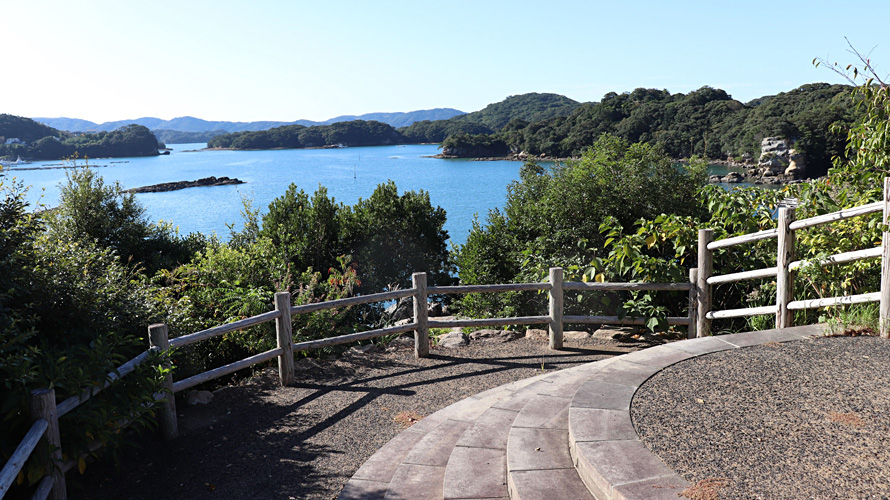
(18, 458)
(462, 323)
(508, 287)
(840, 258)
(745, 238)
(606, 286)
(835, 301)
(225, 370)
(744, 275)
(223, 329)
(615, 320)
(352, 301)
(846, 213)
(125, 369)
(739, 313)
(353, 337)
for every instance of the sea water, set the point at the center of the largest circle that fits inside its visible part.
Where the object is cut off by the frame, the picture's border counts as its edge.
(464, 188)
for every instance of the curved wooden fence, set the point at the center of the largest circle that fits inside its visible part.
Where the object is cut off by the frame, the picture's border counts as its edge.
(45, 413)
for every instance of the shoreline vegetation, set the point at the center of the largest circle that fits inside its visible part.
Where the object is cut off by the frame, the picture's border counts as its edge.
(707, 123)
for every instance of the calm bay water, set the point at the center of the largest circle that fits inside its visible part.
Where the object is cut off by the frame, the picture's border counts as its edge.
(462, 187)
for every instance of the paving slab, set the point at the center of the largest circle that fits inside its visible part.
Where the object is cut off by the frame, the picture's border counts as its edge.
(530, 449)
(595, 424)
(701, 345)
(604, 464)
(545, 412)
(476, 473)
(605, 395)
(625, 373)
(435, 447)
(562, 484)
(490, 430)
(663, 488)
(660, 356)
(383, 464)
(361, 489)
(417, 482)
(776, 335)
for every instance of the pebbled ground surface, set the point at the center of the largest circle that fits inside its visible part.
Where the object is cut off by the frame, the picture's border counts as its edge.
(796, 420)
(262, 441)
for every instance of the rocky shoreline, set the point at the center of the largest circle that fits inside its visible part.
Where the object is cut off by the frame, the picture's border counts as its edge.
(778, 164)
(175, 186)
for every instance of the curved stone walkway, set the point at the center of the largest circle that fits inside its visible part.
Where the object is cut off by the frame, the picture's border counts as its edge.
(566, 434)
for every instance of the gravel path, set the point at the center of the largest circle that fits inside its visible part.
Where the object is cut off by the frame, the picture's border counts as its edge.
(801, 420)
(261, 441)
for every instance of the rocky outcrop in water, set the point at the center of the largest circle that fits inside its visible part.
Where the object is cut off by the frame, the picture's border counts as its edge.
(174, 186)
(777, 158)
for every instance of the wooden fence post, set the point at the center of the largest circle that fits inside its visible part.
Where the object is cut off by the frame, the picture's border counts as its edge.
(43, 405)
(556, 306)
(422, 333)
(158, 338)
(784, 276)
(703, 289)
(885, 267)
(285, 337)
(693, 282)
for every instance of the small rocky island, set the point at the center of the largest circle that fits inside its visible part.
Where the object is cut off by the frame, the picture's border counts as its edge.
(174, 186)
(778, 164)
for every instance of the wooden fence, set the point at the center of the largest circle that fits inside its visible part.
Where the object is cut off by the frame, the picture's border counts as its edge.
(786, 265)
(45, 413)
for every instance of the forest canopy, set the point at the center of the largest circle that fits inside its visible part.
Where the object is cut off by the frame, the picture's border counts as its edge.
(31, 140)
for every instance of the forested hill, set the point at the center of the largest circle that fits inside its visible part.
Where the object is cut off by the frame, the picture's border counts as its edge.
(706, 122)
(354, 133)
(530, 107)
(34, 141)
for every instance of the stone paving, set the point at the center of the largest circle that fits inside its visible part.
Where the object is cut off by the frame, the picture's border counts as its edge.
(560, 435)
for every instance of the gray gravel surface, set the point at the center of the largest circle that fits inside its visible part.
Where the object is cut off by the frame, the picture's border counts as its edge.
(807, 419)
(261, 441)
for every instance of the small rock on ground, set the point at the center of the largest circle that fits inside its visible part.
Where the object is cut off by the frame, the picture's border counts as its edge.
(490, 335)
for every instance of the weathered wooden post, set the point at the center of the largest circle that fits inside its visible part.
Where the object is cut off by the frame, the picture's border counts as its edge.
(556, 306)
(158, 339)
(784, 276)
(703, 289)
(285, 337)
(422, 331)
(693, 282)
(885, 266)
(43, 405)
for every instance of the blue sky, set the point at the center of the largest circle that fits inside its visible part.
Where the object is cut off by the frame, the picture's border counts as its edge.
(288, 60)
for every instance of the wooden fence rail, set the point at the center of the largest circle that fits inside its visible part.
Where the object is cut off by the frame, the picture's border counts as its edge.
(45, 413)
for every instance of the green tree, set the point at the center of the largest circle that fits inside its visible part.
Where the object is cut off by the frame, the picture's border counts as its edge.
(554, 217)
(392, 236)
(99, 214)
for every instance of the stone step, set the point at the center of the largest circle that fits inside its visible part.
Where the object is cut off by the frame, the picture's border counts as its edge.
(539, 462)
(477, 467)
(565, 434)
(608, 455)
(412, 464)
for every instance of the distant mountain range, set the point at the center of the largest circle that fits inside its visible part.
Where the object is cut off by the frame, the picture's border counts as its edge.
(192, 124)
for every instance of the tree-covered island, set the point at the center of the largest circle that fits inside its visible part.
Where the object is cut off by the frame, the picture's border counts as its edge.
(707, 122)
(27, 139)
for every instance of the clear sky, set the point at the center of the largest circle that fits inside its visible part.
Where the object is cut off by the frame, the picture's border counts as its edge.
(287, 60)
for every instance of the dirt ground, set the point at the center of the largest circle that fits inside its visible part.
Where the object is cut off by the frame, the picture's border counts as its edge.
(257, 440)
